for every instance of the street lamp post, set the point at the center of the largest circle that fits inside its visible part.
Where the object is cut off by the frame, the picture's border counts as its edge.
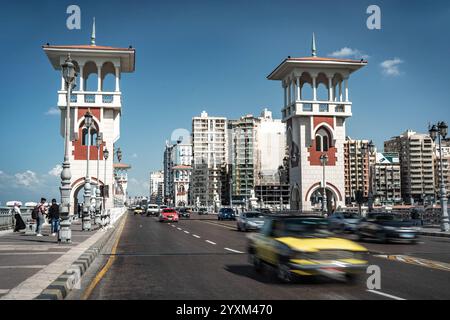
(369, 149)
(260, 176)
(98, 220)
(106, 156)
(440, 131)
(65, 233)
(324, 161)
(86, 226)
(281, 188)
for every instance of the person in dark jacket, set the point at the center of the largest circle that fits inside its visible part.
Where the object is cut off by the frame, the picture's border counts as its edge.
(20, 225)
(53, 214)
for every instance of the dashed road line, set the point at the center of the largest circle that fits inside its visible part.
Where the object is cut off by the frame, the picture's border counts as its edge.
(196, 236)
(211, 242)
(186, 231)
(232, 250)
(179, 229)
(385, 295)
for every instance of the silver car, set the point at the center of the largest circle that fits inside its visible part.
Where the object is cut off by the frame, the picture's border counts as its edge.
(251, 220)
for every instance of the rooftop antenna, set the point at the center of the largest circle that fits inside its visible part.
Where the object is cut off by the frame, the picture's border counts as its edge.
(93, 34)
(313, 46)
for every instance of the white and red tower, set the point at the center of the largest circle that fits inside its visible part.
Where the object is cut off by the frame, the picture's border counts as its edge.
(94, 64)
(315, 126)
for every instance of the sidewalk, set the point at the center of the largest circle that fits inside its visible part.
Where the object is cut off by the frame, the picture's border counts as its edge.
(29, 263)
(435, 232)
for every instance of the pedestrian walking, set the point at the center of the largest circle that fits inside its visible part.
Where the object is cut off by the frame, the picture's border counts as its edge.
(40, 216)
(53, 215)
(20, 225)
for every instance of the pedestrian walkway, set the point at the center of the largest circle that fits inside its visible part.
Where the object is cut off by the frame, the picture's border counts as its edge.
(435, 231)
(29, 263)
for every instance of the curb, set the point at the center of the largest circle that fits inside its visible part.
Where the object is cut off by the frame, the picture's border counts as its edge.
(435, 234)
(71, 278)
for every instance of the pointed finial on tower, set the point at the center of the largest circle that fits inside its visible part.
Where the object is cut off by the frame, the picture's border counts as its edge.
(313, 46)
(93, 34)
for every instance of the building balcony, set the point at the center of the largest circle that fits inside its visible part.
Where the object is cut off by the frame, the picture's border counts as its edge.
(314, 108)
(91, 99)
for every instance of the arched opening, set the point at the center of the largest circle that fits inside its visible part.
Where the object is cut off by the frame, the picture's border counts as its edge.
(306, 87)
(316, 200)
(93, 134)
(90, 75)
(338, 87)
(108, 77)
(323, 140)
(322, 87)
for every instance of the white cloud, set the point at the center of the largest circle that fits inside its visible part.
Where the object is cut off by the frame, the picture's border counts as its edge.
(391, 67)
(27, 179)
(53, 112)
(347, 52)
(56, 171)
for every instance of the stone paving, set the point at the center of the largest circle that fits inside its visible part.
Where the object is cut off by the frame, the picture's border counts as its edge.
(29, 263)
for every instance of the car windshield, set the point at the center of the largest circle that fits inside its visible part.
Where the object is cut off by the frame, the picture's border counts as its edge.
(254, 215)
(301, 228)
(227, 210)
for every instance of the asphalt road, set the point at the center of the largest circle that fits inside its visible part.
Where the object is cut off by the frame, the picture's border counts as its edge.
(202, 259)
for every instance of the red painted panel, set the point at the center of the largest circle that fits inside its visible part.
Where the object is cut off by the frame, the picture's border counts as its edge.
(317, 120)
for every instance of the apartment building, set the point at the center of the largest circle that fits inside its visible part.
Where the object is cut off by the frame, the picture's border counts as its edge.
(356, 168)
(416, 151)
(209, 150)
(387, 179)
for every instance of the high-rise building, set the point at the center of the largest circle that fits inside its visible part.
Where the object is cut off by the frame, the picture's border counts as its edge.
(257, 148)
(316, 107)
(156, 187)
(356, 168)
(387, 180)
(168, 164)
(181, 172)
(209, 150)
(416, 153)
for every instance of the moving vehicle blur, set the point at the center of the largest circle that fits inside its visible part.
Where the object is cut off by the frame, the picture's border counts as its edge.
(138, 210)
(202, 211)
(226, 214)
(184, 212)
(168, 215)
(303, 246)
(344, 221)
(387, 227)
(152, 210)
(251, 220)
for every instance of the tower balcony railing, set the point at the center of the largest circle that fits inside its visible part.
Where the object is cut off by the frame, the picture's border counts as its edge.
(311, 108)
(91, 99)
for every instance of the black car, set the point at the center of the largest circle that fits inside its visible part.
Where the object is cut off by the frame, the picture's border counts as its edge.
(226, 214)
(184, 212)
(387, 227)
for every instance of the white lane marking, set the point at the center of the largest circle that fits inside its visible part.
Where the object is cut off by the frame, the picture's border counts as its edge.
(385, 295)
(24, 267)
(179, 229)
(186, 231)
(210, 242)
(194, 235)
(173, 225)
(236, 251)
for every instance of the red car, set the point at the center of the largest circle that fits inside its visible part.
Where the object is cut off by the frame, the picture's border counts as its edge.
(168, 215)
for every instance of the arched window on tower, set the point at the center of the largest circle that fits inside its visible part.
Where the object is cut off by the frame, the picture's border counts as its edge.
(322, 140)
(93, 134)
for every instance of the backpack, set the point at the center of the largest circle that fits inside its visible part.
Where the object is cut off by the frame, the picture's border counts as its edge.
(35, 212)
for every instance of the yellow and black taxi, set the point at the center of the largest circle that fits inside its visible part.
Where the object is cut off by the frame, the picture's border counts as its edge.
(138, 210)
(299, 245)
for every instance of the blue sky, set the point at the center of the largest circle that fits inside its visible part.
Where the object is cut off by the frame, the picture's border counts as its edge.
(213, 56)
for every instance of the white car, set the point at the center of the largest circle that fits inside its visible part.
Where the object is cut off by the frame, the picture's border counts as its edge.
(152, 210)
